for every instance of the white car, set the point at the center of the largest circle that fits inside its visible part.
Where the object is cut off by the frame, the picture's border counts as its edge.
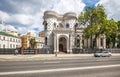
(103, 54)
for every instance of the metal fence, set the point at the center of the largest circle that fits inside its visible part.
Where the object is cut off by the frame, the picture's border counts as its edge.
(90, 50)
(50, 51)
(114, 50)
(39, 51)
(8, 51)
(29, 51)
(45, 51)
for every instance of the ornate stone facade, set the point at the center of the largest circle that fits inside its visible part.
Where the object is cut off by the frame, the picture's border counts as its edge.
(61, 34)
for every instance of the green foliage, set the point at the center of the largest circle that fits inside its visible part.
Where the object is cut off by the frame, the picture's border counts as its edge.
(32, 43)
(118, 23)
(97, 24)
(94, 19)
(111, 28)
(118, 41)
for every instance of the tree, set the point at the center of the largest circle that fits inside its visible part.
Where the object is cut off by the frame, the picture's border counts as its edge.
(111, 32)
(32, 43)
(97, 24)
(118, 41)
(93, 18)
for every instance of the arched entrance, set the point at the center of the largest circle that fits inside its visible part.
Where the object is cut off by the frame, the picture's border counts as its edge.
(62, 45)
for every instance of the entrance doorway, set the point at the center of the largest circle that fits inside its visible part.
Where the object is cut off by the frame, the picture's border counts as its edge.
(63, 45)
(60, 47)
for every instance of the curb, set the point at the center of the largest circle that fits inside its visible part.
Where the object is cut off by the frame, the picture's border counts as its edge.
(46, 57)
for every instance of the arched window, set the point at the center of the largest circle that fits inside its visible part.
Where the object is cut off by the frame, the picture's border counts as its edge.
(76, 25)
(77, 42)
(45, 40)
(67, 25)
(46, 26)
(54, 25)
(77, 36)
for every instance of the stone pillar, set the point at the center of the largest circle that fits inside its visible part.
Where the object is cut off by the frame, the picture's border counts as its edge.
(81, 42)
(70, 44)
(22, 51)
(36, 51)
(55, 46)
(104, 42)
(97, 43)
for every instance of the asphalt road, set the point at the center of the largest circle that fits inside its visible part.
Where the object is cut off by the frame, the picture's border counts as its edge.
(91, 67)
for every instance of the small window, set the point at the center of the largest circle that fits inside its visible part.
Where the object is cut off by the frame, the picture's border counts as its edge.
(3, 38)
(10, 45)
(78, 36)
(45, 40)
(67, 26)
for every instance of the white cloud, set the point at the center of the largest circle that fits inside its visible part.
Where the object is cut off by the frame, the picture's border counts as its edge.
(112, 8)
(20, 19)
(25, 16)
(3, 16)
(67, 6)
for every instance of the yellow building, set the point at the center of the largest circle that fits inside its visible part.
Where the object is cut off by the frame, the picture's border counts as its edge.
(26, 39)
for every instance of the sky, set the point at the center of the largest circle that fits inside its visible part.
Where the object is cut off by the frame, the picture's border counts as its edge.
(27, 15)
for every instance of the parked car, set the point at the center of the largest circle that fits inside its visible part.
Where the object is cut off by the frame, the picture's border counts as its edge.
(102, 54)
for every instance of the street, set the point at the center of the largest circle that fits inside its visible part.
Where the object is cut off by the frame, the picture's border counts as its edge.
(91, 67)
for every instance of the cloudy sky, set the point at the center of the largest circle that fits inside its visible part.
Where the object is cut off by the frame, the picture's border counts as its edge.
(27, 15)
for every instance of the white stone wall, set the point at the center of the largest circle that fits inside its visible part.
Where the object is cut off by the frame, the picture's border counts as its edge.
(71, 22)
(50, 27)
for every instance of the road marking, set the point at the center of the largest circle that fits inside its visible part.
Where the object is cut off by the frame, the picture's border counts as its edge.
(59, 69)
(52, 62)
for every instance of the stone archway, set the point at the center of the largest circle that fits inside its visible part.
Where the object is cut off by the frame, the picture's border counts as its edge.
(62, 45)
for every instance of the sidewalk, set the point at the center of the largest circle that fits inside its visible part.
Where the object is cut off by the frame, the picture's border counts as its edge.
(46, 57)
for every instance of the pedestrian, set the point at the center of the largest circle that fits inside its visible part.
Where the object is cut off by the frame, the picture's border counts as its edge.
(16, 51)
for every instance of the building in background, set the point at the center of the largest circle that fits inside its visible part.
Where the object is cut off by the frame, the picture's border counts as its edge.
(14, 33)
(39, 42)
(9, 41)
(26, 39)
(41, 38)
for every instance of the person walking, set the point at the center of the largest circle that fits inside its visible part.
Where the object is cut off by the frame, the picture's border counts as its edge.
(16, 51)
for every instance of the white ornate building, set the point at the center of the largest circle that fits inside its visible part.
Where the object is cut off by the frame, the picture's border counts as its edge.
(61, 34)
